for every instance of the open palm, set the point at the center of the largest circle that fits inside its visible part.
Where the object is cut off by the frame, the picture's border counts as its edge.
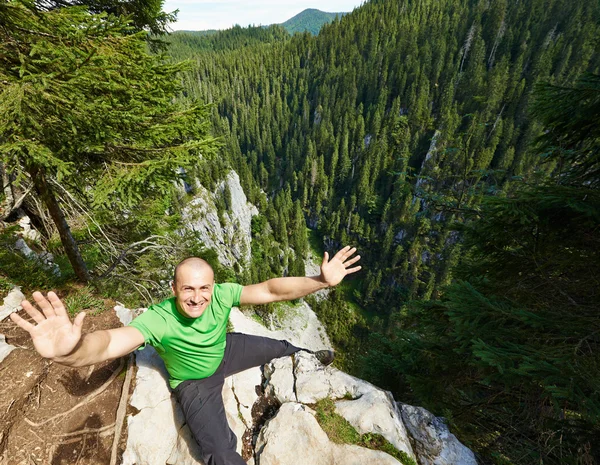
(54, 335)
(336, 269)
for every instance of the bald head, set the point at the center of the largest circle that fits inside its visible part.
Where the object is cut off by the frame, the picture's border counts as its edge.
(193, 283)
(192, 264)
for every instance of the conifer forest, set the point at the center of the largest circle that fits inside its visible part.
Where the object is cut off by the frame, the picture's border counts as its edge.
(455, 143)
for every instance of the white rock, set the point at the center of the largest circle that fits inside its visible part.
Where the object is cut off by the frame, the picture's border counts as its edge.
(376, 412)
(280, 380)
(5, 348)
(233, 415)
(153, 432)
(312, 381)
(186, 450)
(312, 267)
(307, 443)
(434, 443)
(315, 382)
(231, 240)
(44, 258)
(301, 327)
(125, 315)
(28, 232)
(22, 247)
(244, 387)
(12, 302)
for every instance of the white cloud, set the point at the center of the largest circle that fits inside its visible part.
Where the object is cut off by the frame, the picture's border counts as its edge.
(200, 15)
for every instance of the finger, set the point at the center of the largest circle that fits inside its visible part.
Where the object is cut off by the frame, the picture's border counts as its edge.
(352, 261)
(21, 322)
(325, 258)
(44, 304)
(342, 252)
(349, 253)
(32, 311)
(57, 304)
(353, 270)
(78, 323)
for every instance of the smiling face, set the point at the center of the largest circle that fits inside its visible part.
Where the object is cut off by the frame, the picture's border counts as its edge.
(193, 287)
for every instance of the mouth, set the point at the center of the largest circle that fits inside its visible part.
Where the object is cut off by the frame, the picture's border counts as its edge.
(195, 307)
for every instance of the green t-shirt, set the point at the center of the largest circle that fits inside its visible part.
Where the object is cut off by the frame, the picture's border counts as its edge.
(192, 348)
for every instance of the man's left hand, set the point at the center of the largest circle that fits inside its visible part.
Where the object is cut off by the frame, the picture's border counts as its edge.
(334, 270)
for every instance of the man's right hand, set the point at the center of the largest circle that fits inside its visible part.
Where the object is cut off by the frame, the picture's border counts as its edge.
(54, 335)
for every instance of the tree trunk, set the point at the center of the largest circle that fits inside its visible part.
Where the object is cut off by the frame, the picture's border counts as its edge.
(9, 199)
(47, 195)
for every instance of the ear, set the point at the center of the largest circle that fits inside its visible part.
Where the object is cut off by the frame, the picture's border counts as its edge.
(173, 287)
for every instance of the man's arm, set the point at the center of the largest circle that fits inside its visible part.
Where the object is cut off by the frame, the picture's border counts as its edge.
(278, 289)
(103, 345)
(56, 338)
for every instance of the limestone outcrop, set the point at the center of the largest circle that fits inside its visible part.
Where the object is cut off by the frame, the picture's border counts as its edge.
(433, 441)
(229, 234)
(157, 434)
(12, 303)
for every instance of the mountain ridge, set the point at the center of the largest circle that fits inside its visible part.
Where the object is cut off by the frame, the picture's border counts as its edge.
(309, 20)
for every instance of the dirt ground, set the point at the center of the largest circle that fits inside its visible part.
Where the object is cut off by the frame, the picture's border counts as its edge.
(55, 415)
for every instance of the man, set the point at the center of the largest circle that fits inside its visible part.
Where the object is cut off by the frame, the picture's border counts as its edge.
(189, 333)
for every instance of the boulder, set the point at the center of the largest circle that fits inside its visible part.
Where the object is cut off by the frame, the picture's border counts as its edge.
(376, 412)
(310, 381)
(5, 348)
(12, 302)
(433, 442)
(307, 443)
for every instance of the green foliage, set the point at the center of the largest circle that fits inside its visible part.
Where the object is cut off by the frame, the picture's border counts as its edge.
(514, 350)
(144, 15)
(391, 125)
(570, 115)
(5, 285)
(83, 299)
(345, 326)
(341, 432)
(87, 109)
(514, 346)
(28, 273)
(183, 44)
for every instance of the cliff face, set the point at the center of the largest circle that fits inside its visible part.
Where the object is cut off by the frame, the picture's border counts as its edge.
(229, 235)
(290, 386)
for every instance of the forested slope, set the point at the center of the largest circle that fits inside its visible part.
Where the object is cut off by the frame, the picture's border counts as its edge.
(395, 120)
(395, 129)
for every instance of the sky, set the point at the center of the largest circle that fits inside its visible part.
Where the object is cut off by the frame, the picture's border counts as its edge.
(199, 15)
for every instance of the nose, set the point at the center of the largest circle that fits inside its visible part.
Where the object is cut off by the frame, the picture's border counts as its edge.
(197, 295)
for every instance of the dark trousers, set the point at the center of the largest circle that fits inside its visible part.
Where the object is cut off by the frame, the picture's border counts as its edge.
(202, 401)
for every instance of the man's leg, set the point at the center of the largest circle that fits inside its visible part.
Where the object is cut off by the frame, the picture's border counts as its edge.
(202, 405)
(244, 351)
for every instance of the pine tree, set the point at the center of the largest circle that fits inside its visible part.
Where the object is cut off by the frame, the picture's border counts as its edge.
(85, 107)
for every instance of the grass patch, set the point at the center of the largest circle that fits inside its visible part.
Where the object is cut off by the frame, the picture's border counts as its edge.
(28, 273)
(83, 299)
(5, 285)
(340, 431)
(258, 319)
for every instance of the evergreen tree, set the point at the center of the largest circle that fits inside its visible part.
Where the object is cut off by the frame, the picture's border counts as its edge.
(86, 108)
(514, 344)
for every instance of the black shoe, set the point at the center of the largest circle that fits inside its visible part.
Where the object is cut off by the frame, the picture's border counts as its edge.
(325, 356)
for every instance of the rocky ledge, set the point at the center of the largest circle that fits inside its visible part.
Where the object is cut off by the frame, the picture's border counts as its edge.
(272, 412)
